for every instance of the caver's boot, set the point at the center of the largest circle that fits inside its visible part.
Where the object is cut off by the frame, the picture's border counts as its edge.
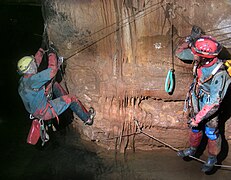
(87, 116)
(214, 148)
(194, 141)
(91, 118)
(187, 152)
(208, 166)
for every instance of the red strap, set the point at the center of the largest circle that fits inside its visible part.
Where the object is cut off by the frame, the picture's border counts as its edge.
(45, 110)
(54, 113)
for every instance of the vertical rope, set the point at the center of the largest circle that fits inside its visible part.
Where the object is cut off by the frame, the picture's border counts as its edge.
(170, 79)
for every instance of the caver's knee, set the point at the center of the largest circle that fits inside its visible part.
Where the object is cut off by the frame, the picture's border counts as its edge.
(211, 133)
(211, 129)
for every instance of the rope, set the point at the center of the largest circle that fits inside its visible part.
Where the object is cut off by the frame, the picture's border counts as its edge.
(211, 30)
(173, 148)
(122, 24)
(120, 21)
(170, 79)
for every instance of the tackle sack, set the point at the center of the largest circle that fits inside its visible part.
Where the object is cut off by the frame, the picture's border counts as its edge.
(34, 132)
(228, 66)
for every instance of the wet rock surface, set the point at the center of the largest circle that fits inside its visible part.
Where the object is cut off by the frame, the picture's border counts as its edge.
(118, 54)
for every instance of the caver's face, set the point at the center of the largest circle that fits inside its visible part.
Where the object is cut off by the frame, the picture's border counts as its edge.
(202, 61)
(33, 68)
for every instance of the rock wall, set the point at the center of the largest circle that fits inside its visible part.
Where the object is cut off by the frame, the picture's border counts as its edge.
(118, 53)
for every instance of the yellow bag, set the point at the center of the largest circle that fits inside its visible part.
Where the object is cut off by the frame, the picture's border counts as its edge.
(228, 66)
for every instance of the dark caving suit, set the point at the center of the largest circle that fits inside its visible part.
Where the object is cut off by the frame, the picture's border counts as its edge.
(207, 91)
(35, 96)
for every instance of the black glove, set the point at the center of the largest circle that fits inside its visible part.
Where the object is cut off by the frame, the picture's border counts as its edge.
(191, 123)
(196, 32)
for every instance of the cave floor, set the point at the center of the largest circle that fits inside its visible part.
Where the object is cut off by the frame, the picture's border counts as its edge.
(65, 157)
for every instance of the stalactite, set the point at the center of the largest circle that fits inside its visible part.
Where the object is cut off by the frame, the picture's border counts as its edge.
(116, 144)
(121, 135)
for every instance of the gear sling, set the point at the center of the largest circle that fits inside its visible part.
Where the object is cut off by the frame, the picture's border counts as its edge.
(38, 128)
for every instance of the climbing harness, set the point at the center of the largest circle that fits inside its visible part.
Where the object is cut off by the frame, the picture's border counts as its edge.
(171, 147)
(215, 70)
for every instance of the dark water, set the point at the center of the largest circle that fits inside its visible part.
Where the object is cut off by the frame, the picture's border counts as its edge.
(65, 156)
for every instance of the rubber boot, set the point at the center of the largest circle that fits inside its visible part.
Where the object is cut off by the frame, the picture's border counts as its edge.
(214, 148)
(194, 141)
(187, 152)
(91, 118)
(208, 166)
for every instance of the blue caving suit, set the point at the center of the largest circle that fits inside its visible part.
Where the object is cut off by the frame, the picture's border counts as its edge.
(205, 96)
(34, 93)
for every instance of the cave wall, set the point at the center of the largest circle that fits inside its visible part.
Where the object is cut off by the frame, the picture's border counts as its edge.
(118, 53)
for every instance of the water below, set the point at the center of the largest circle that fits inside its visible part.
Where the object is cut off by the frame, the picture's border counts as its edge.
(65, 156)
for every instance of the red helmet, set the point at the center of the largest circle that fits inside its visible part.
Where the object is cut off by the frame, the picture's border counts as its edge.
(206, 47)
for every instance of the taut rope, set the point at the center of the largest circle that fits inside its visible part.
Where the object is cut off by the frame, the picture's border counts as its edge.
(173, 148)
